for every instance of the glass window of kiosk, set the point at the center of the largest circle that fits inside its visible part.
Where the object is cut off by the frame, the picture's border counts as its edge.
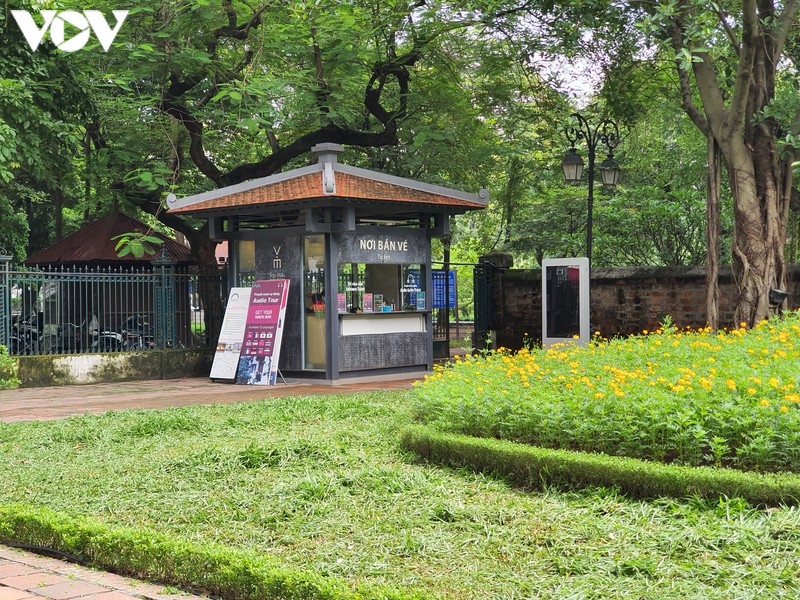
(246, 257)
(314, 301)
(372, 288)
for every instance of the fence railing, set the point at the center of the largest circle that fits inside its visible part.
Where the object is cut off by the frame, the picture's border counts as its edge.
(71, 311)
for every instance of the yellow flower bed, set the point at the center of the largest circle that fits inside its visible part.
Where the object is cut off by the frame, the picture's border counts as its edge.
(672, 395)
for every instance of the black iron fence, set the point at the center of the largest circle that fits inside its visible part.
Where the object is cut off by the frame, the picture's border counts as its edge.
(90, 310)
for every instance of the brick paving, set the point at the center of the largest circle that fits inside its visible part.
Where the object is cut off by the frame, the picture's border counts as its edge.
(29, 404)
(24, 575)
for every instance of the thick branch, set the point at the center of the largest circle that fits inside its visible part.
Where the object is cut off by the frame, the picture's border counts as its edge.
(744, 72)
(729, 31)
(689, 107)
(195, 130)
(687, 99)
(784, 25)
(322, 91)
(718, 116)
(328, 133)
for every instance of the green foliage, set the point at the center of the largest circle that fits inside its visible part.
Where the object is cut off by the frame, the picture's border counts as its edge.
(690, 398)
(14, 233)
(8, 378)
(209, 569)
(137, 244)
(540, 468)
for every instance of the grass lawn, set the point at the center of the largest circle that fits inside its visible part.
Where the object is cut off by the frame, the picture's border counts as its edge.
(320, 483)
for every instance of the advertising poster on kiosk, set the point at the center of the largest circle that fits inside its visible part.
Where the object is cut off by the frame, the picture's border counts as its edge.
(258, 362)
(229, 345)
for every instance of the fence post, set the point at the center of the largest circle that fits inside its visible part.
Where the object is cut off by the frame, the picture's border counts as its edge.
(164, 300)
(5, 298)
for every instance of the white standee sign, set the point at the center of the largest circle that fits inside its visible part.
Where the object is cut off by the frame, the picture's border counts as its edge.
(231, 336)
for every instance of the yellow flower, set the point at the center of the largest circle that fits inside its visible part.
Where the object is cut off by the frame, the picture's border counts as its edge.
(764, 402)
(784, 408)
(731, 384)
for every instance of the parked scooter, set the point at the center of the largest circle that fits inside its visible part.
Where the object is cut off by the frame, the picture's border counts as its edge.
(136, 334)
(104, 340)
(24, 335)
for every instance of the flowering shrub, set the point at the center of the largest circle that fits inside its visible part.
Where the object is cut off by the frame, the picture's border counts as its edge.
(674, 396)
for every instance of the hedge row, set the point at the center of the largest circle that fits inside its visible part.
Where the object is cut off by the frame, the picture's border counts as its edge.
(533, 468)
(215, 570)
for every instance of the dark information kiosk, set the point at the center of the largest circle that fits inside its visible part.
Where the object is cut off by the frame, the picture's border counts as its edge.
(356, 247)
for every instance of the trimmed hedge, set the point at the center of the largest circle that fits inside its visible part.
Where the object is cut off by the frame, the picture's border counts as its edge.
(219, 571)
(533, 467)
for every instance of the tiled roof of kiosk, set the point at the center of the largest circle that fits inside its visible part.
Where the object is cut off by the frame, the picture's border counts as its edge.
(307, 183)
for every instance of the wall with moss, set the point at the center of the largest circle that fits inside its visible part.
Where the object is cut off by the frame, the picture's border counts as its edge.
(40, 371)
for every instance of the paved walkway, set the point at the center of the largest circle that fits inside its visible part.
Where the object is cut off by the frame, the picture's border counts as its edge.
(24, 575)
(32, 404)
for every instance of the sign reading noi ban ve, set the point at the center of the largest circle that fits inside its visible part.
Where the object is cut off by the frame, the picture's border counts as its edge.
(81, 25)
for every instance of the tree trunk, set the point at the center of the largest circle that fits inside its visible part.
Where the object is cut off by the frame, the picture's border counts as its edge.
(761, 186)
(713, 184)
(211, 288)
(58, 213)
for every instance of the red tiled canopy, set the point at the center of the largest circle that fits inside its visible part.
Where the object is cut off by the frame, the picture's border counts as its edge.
(307, 186)
(93, 244)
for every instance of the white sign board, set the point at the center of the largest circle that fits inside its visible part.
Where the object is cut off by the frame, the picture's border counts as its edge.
(231, 336)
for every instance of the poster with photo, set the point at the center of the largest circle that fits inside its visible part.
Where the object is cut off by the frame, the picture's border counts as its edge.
(258, 362)
(229, 345)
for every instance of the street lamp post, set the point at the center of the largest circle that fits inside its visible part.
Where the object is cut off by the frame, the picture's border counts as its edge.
(607, 132)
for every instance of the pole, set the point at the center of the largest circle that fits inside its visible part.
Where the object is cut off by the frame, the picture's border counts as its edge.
(590, 204)
(607, 132)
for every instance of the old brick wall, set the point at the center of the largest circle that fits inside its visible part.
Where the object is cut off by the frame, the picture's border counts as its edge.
(624, 301)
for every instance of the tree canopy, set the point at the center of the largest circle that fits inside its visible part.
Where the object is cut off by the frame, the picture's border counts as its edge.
(199, 94)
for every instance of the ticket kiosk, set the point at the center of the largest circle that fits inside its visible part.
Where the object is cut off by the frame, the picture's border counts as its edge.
(356, 247)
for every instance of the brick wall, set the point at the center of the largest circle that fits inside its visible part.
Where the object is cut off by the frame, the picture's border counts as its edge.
(624, 301)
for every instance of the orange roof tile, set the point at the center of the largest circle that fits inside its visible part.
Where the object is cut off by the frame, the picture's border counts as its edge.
(308, 186)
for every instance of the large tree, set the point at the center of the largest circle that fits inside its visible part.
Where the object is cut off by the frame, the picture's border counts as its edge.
(201, 95)
(729, 57)
(43, 101)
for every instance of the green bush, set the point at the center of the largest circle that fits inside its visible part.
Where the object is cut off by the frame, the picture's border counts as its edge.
(228, 573)
(689, 398)
(8, 378)
(533, 468)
